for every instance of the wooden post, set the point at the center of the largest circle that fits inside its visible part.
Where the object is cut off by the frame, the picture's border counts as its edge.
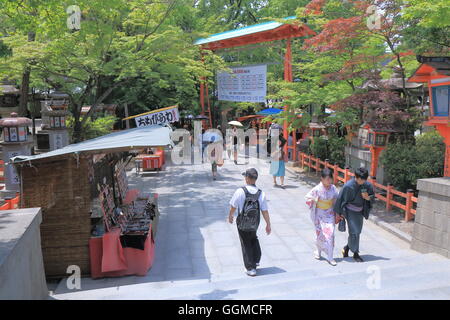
(409, 204)
(127, 122)
(317, 166)
(335, 174)
(287, 78)
(389, 197)
(373, 181)
(302, 160)
(294, 150)
(346, 174)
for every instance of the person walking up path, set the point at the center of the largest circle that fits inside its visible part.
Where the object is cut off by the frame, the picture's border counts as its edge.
(277, 164)
(354, 204)
(321, 200)
(250, 202)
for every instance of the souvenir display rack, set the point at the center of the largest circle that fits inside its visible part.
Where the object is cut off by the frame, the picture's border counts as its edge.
(129, 220)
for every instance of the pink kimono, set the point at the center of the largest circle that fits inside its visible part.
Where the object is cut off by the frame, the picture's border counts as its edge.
(321, 201)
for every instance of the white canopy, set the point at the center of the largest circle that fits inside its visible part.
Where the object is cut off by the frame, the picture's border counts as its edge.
(151, 136)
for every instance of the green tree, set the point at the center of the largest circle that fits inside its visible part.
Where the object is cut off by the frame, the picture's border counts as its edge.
(120, 45)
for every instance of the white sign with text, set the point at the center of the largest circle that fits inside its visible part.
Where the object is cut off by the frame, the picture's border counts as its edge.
(244, 84)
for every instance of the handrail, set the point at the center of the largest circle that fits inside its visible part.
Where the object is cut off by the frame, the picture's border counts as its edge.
(410, 199)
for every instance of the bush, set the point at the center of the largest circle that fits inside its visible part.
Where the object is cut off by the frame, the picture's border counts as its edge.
(331, 148)
(319, 148)
(405, 163)
(430, 155)
(94, 128)
(336, 148)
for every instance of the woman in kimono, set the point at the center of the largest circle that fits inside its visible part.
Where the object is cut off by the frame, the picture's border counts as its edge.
(321, 200)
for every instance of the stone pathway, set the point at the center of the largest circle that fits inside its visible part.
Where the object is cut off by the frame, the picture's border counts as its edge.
(198, 252)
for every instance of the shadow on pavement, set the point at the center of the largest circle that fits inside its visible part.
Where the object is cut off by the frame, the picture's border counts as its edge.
(217, 294)
(270, 270)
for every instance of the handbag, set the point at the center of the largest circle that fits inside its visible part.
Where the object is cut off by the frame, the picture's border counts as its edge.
(341, 225)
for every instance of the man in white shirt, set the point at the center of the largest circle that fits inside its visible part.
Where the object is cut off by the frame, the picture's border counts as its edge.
(251, 249)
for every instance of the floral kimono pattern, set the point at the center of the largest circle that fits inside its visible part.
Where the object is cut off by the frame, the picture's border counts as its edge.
(321, 201)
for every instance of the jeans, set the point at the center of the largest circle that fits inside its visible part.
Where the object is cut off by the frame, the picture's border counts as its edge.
(251, 251)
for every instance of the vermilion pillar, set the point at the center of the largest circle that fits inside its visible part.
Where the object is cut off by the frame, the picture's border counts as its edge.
(375, 151)
(444, 130)
(287, 78)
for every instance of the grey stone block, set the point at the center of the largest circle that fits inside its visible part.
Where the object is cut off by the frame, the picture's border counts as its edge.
(421, 246)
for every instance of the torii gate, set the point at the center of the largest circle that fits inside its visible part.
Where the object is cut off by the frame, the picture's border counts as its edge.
(259, 33)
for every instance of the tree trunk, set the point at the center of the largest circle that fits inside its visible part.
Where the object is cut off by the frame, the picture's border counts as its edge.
(25, 86)
(77, 131)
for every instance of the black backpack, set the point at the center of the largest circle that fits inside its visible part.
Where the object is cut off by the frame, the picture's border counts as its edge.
(248, 218)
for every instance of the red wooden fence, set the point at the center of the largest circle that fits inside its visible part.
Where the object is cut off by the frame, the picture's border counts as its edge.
(344, 175)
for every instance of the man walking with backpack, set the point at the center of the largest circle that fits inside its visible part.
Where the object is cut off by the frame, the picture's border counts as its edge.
(250, 202)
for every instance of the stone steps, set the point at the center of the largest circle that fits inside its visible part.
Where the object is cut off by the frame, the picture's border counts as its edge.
(317, 280)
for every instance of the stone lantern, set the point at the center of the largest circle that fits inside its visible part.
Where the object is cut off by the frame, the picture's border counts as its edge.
(317, 130)
(15, 142)
(376, 140)
(54, 134)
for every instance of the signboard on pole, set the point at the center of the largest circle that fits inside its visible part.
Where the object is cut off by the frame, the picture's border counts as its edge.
(244, 84)
(160, 116)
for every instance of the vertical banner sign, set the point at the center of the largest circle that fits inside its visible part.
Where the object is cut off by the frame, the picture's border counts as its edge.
(166, 115)
(244, 84)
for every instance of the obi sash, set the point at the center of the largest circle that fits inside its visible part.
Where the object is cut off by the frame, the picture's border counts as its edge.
(324, 204)
(354, 208)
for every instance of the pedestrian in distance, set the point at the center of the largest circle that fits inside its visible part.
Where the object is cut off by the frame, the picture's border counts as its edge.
(277, 164)
(250, 202)
(320, 200)
(354, 204)
(215, 151)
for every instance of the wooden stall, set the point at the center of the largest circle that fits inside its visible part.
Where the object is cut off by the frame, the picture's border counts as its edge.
(85, 200)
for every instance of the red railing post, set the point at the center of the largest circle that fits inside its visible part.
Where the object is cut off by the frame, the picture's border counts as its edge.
(317, 166)
(335, 174)
(389, 197)
(373, 181)
(346, 174)
(409, 204)
(302, 160)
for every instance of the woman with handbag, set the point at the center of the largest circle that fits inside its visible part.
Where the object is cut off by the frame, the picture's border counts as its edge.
(277, 164)
(321, 200)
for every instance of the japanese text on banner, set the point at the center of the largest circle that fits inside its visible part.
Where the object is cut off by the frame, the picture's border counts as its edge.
(161, 117)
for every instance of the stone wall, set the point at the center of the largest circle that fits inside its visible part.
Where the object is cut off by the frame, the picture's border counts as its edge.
(432, 221)
(21, 265)
(356, 157)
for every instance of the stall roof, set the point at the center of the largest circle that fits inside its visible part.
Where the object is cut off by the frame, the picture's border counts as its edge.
(151, 136)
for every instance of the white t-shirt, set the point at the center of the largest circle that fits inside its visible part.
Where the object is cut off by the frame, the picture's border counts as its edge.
(238, 199)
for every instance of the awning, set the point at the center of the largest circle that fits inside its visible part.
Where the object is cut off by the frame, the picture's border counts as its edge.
(269, 112)
(151, 136)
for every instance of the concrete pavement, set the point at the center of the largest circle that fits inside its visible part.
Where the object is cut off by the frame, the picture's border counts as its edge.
(198, 253)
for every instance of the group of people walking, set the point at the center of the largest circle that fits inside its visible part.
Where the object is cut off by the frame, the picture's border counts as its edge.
(328, 207)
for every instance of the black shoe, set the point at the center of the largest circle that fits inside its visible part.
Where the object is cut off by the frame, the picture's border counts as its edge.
(357, 258)
(345, 251)
(235, 161)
